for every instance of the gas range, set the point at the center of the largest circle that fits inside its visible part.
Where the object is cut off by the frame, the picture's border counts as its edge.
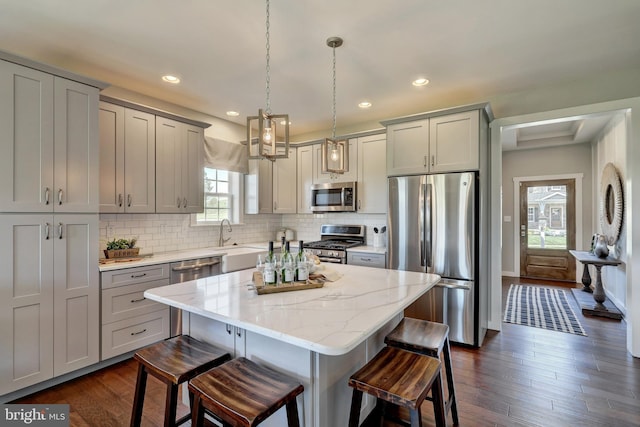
(334, 241)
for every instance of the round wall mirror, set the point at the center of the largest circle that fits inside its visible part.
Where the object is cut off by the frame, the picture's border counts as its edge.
(611, 203)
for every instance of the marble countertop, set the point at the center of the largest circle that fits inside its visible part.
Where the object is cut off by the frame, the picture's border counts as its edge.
(331, 320)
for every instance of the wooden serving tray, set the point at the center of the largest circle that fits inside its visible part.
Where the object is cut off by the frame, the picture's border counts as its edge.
(261, 289)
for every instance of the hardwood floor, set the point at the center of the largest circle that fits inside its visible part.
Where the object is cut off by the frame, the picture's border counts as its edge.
(521, 376)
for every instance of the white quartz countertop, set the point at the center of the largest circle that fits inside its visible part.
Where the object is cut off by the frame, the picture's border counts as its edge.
(331, 320)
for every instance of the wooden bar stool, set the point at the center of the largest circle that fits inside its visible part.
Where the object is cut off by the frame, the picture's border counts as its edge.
(402, 378)
(242, 393)
(431, 339)
(173, 362)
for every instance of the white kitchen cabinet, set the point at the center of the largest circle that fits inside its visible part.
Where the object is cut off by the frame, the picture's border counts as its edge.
(270, 187)
(49, 297)
(442, 143)
(127, 160)
(49, 140)
(129, 320)
(305, 178)
(372, 178)
(320, 177)
(284, 184)
(367, 259)
(454, 142)
(179, 166)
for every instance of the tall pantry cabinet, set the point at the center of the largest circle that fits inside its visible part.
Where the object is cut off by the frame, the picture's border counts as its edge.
(49, 300)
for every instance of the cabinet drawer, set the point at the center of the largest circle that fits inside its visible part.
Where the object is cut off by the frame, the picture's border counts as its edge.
(131, 334)
(128, 276)
(367, 259)
(125, 302)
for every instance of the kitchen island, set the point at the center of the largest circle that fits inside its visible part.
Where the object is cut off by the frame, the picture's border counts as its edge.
(319, 336)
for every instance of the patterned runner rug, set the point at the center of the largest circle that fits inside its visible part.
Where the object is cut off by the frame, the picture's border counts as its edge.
(539, 307)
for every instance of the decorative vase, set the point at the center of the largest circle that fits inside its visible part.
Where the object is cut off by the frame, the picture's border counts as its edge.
(601, 249)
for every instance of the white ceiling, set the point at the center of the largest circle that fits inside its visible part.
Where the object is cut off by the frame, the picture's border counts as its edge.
(470, 50)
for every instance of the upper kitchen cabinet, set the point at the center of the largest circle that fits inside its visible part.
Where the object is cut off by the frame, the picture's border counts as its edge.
(320, 177)
(305, 177)
(372, 180)
(179, 166)
(270, 187)
(127, 160)
(49, 139)
(442, 141)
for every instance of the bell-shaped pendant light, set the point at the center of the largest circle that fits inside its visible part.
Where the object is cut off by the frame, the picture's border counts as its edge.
(268, 133)
(335, 153)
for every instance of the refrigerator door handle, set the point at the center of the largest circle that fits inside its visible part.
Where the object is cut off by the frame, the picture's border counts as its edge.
(422, 225)
(428, 235)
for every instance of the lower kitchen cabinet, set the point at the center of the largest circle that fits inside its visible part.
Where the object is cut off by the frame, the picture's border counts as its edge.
(367, 259)
(129, 320)
(49, 297)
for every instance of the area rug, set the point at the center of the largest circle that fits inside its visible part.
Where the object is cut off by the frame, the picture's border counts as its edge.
(540, 307)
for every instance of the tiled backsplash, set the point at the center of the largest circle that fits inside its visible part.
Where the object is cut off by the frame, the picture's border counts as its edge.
(158, 233)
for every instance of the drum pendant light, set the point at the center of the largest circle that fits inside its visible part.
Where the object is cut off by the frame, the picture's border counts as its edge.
(335, 153)
(268, 133)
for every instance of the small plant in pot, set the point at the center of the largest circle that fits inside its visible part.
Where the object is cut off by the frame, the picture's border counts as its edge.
(121, 248)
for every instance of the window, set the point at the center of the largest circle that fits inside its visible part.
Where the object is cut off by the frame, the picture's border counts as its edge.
(221, 197)
(532, 214)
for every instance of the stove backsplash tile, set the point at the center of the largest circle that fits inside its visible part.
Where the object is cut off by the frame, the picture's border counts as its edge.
(158, 233)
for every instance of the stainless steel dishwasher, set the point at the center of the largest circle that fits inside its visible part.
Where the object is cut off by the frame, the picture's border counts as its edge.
(190, 269)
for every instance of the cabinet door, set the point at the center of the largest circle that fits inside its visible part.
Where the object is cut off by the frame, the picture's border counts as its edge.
(26, 300)
(169, 166)
(259, 187)
(407, 148)
(193, 170)
(320, 177)
(305, 177)
(454, 142)
(76, 293)
(140, 162)
(77, 147)
(111, 122)
(284, 184)
(26, 139)
(372, 176)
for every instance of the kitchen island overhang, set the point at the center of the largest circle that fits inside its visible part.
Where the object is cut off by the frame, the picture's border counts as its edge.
(320, 336)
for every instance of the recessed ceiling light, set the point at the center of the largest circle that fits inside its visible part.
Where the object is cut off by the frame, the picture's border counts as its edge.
(233, 113)
(420, 82)
(364, 104)
(171, 79)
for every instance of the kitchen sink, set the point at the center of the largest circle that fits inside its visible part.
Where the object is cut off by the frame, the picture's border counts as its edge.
(239, 258)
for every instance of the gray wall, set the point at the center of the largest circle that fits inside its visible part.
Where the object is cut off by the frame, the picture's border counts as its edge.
(569, 159)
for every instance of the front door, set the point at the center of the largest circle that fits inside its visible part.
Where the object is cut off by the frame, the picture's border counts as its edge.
(547, 229)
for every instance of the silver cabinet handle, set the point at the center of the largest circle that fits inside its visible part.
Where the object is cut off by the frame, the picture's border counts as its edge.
(60, 196)
(425, 161)
(135, 276)
(239, 332)
(120, 200)
(184, 204)
(46, 196)
(128, 200)
(137, 300)
(179, 201)
(359, 204)
(59, 230)
(433, 160)
(139, 332)
(46, 231)
(229, 329)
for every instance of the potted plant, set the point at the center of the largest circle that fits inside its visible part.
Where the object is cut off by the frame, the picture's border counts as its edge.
(121, 248)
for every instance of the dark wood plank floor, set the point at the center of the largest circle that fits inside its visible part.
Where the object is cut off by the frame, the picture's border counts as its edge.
(521, 376)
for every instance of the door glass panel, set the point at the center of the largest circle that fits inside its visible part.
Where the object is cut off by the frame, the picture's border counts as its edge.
(547, 217)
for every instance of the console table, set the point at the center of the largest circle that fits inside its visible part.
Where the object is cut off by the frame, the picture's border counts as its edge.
(600, 308)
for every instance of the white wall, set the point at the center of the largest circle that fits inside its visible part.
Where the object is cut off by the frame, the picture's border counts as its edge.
(611, 147)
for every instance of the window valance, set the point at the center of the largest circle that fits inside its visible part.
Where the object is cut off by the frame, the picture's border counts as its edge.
(220, 154)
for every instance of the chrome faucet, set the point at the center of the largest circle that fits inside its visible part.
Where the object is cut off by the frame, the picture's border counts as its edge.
(221, 240)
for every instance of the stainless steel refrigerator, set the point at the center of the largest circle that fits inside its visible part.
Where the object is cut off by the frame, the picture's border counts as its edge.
(432, 224)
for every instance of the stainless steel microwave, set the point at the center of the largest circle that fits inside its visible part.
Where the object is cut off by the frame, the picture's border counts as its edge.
(333, 197)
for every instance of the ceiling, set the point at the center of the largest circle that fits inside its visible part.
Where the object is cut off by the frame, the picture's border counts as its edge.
(469, 50)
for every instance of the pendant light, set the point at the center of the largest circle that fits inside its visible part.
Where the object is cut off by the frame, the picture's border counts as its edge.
(267, 133)
(335, 153)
